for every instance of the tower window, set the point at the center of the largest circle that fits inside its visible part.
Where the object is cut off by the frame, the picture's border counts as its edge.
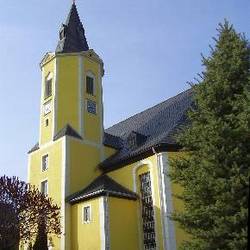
(44, 187)
(90, 85)
(48, 88)
(46, 122)
(45, 162)
(86, 214)
(91, 107)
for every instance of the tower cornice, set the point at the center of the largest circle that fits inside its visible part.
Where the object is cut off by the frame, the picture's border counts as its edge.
(90, 54)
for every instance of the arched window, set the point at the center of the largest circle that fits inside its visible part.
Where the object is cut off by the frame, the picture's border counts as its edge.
(48, 86)
(90, 83)
(143, 185)
(147, 212)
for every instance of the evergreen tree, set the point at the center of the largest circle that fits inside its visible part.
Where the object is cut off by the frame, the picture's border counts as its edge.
(214, 172)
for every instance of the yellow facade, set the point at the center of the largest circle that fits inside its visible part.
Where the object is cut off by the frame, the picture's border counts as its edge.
(86, 235)
(123, 224)
(72, 138)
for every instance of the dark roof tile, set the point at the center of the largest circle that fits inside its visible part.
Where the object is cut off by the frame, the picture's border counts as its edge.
(34, 148)
(158, 124)
(67, 130)
(72, 34)
(102, 185)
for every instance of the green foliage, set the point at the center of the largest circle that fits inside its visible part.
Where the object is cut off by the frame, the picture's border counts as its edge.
(215, 174)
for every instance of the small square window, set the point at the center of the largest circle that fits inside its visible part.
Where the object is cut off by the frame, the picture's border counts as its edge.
(45, 162)
(91, 107)
(90, 85)
(46, 122)
(48, 88)
(86, 214)
(44, 187)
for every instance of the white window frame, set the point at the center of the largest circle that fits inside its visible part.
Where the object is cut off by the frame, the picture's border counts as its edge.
(83, 214)
(43, 181)
(44, 155)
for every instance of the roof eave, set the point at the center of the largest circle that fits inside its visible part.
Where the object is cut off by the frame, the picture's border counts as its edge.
(102, 193)
(161, 147)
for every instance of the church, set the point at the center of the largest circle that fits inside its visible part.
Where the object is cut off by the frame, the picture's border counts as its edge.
(111, 184)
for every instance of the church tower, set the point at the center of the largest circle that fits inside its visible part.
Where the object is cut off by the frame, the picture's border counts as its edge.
(71, 120)
(72, 86)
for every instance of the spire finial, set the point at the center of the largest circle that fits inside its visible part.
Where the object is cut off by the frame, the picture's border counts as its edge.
(74, 1)
(72, 34)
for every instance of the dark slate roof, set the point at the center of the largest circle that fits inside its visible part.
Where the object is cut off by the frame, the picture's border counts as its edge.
(153, 127)
(102, 185)
(67, 130)
(72, 34)
(112, 141)
(34, 148)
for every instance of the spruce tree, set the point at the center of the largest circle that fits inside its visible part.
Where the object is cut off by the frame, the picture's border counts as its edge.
(214, 171)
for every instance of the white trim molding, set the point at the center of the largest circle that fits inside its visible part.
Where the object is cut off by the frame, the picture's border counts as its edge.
(81, 95)
(104, 223)
(166, 202)
(55, 92)
(41, 107)
(106, 217)
(101, 108)
(65, 208)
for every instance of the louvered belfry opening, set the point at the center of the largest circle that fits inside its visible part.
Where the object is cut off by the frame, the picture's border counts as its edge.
(147, 209)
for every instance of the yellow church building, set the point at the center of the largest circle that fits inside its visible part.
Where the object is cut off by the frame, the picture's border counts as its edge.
(111, 184)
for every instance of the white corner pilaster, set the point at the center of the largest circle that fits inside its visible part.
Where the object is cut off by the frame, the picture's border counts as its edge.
(101, 108)
(41, 106)
(81, 96)
(55, 93)
(166, 202)
(65, 208)
(104, 223)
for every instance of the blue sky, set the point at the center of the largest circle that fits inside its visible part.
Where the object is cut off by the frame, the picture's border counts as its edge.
(150, 48)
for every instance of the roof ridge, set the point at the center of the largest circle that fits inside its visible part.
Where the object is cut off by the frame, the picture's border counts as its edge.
(131, 117)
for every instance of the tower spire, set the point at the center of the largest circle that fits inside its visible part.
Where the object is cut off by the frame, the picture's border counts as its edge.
(72, 34)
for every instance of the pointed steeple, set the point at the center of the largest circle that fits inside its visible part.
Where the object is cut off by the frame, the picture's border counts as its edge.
(72, 34)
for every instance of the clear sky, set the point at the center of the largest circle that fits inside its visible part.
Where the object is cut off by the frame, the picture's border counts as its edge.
(150, 48)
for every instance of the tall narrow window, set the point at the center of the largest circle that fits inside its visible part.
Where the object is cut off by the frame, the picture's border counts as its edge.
(45, 162)
(48, 88)
(90, 85)
(148, 222)
(44, 187)
(86, 214)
